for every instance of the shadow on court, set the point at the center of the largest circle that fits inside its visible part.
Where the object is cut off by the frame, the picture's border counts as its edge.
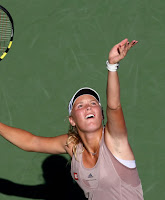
(58, 183)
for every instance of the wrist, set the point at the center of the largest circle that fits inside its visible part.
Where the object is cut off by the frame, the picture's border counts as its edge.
(112, 67)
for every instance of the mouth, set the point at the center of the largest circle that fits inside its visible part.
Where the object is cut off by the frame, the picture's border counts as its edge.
(89, 116)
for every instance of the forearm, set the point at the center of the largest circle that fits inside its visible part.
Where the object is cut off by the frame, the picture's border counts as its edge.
(113, 90)
(18, 137)
(117, 53)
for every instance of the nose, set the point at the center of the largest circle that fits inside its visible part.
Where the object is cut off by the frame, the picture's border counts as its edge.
(88, 107)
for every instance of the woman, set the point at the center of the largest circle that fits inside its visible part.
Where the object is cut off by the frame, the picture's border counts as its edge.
(103, 163)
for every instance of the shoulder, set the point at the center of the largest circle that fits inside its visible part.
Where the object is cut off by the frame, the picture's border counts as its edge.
(70, 144)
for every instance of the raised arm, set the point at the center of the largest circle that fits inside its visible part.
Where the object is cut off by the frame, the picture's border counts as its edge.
(29, 142)
(116, 132)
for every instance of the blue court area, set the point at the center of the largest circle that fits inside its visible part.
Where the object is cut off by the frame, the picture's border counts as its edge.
(60, 46)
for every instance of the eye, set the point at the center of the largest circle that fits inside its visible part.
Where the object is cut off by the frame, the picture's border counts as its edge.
(93, 103)
(79, 106)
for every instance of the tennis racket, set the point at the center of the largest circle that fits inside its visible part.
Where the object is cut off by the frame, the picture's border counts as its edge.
(6, 32)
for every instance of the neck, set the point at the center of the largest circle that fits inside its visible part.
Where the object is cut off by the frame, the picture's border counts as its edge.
(91, 140)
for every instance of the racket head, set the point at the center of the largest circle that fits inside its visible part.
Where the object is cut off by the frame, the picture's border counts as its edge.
(6, 32)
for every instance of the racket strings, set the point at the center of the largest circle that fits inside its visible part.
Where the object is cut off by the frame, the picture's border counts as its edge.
(5, 31)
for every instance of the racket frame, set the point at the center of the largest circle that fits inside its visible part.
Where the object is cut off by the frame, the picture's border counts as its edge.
(12, 33)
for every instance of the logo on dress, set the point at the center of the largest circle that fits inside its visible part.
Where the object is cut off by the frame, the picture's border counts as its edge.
(75, 176)
(90, 176)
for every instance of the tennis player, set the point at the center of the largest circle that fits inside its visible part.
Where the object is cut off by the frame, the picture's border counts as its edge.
(103, 162)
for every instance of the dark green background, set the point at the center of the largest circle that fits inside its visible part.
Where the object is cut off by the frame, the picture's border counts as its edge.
(60, 46)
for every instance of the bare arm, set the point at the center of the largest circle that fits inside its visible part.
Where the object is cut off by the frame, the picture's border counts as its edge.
(29, 142)
(116, 131)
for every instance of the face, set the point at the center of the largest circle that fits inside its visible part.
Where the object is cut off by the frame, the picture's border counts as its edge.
(86, 114)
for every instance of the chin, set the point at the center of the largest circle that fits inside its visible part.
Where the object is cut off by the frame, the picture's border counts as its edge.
(91, 128)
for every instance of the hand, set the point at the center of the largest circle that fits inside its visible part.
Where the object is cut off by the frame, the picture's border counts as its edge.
(119, 51)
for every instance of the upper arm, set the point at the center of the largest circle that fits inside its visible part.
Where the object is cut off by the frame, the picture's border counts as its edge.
(115, 122)
(29, 142)
(116, 134)
(52, 145)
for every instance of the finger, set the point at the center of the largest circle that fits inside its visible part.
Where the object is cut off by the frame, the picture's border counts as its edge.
(133, 43)
(123, 42)
(127, 46)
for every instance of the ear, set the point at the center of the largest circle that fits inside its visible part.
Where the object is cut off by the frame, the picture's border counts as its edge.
(71, 120)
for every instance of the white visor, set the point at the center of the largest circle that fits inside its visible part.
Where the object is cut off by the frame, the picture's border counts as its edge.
(80, 92)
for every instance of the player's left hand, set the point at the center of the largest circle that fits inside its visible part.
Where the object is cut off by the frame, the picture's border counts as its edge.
(119, 51)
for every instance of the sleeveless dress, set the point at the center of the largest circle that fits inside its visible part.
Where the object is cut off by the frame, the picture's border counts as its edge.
(108, 179)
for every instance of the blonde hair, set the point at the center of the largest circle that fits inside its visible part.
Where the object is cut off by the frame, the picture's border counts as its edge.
(74, 138)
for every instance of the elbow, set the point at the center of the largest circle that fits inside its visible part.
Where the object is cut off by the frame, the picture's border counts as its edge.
(27, 149)
(113, 106)
(30, 145)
